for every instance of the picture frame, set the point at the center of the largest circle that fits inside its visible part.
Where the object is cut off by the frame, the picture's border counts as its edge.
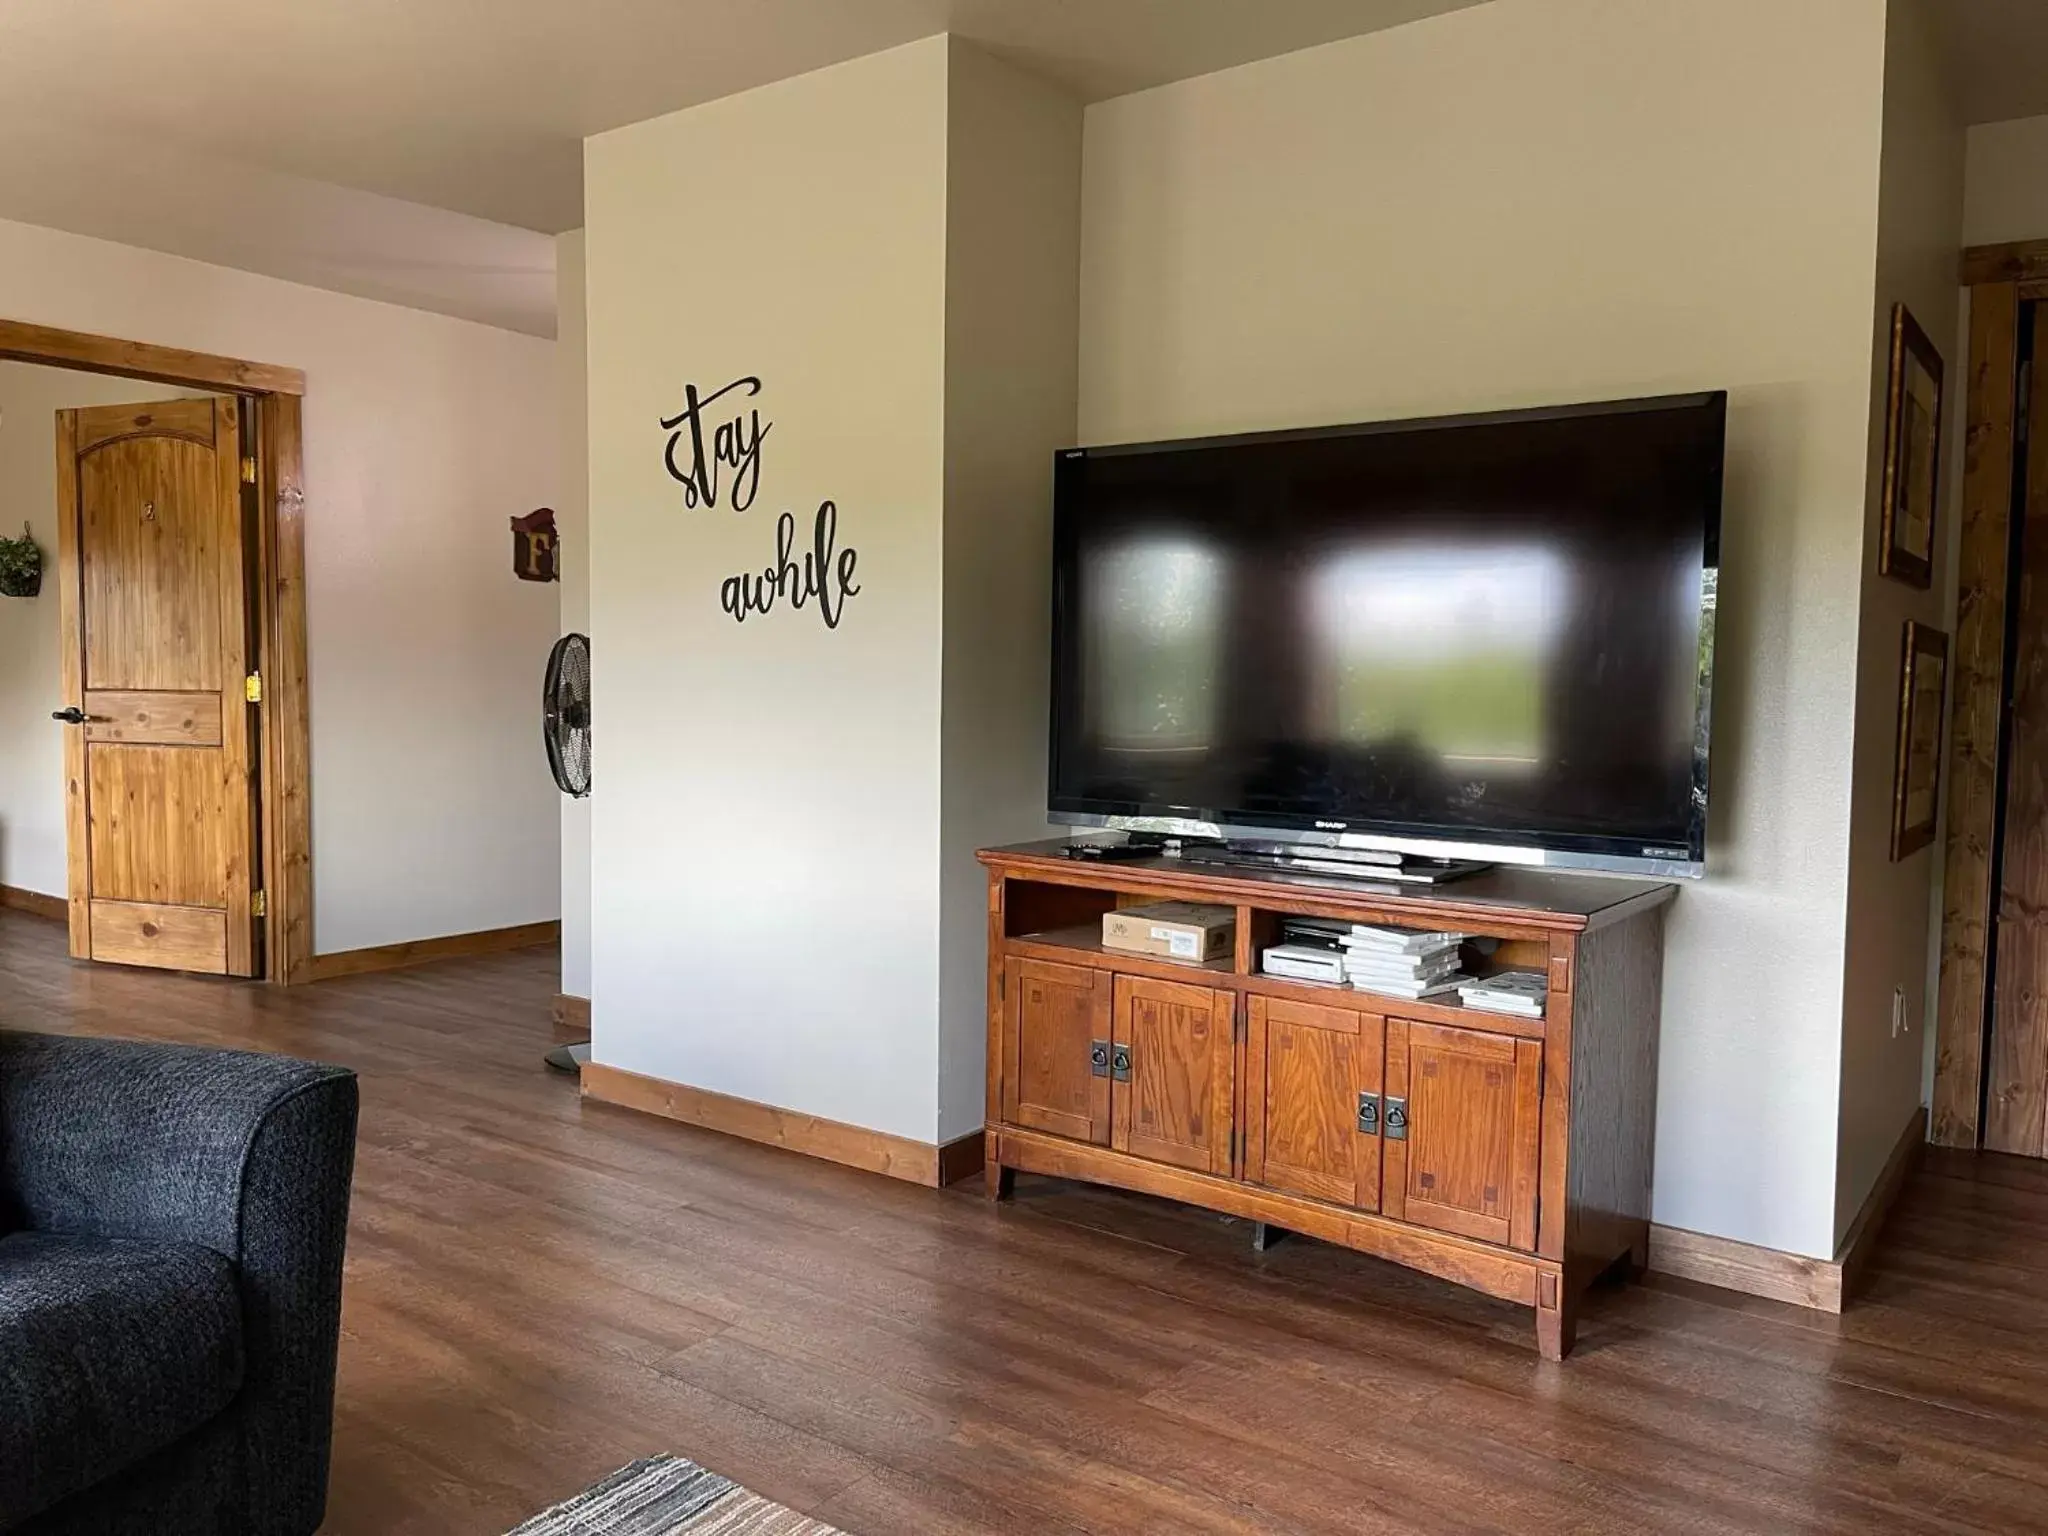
(1916, 779)
(1914, 402)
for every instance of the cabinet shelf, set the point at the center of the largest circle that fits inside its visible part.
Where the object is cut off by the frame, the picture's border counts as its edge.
(1082, 945)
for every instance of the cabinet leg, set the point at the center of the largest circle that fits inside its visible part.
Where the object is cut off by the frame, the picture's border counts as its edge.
(1639, 1253)
(1000, 1181)
(1265, 1235)
(1557, 1324)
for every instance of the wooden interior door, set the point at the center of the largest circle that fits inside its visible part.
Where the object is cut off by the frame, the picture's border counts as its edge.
(159, 762)
(1173, 1064)
(1460, 1131)
(1056, 1069)
(1312, 1100)
(2016, 1086)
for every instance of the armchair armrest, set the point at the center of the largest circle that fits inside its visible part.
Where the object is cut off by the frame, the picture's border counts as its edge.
(247, 1154)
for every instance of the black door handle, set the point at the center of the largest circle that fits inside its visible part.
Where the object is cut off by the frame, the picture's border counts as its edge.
(72, 716)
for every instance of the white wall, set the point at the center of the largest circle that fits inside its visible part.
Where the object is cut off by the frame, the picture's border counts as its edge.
(2006, 196)
(572, 525)
(1549, 200)
(1920, 215)
(764, 829)
(433, 812)
(787, 906)
(1013, 216)
(31, 660)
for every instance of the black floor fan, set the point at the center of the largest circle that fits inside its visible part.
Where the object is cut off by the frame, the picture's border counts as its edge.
(565, 728)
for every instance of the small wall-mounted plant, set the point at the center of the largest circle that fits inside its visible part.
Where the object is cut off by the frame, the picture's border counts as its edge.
(21, 565)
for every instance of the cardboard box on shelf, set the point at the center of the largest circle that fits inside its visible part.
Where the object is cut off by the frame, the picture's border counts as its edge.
(1172, 930)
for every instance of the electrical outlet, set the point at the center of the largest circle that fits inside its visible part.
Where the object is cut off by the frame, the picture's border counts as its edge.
(1899, 1025)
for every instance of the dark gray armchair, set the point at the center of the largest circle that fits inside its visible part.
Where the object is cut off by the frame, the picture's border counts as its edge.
(171, 1229)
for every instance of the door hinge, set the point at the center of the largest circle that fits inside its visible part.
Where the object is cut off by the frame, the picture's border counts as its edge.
(248, 471)
(259, 905)
(252, 687)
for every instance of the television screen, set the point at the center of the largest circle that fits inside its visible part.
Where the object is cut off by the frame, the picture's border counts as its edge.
(1487, 629)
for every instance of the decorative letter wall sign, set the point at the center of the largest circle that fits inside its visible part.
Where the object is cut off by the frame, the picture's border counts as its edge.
(713, 452)
(535, 547)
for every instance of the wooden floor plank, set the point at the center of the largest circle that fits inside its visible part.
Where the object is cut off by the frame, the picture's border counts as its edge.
(540, 1289)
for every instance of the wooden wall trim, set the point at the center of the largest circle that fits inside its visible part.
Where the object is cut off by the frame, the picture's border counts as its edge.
(455, 946)
(1978, 665)
(962, 1158)
(1825, 1285)
(16, 899)
(1859, 1243)
(287, 696)
(898, 1157)
(28, 343)
(1745, 1267)
(571, 1015)
(2021, 261)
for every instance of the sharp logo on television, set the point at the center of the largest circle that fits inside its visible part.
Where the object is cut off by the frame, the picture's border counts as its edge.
(714, 449)
(1332, 826)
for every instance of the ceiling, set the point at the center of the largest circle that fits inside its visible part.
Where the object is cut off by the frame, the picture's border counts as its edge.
(480, 106)
(423, 151)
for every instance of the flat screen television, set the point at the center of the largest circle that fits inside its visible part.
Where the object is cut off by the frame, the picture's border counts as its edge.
(1490, 632)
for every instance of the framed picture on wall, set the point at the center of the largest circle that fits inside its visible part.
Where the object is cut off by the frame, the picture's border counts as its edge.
(1916, 781)
(1912, 453)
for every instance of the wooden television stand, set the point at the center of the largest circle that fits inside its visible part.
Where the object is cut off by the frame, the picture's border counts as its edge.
(1511, 1155)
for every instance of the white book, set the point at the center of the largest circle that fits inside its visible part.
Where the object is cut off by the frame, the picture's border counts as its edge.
(1403, 970)
(1399, 940)
(1413, 993)
(1500, 1005)
(1529, 986)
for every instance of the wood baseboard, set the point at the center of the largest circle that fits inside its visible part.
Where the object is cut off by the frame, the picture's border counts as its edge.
(898, 1157)
(16, 899)
(455, 946)
(1767, 1272)
(1822, 1284)
(572, 1016)
(1860, 1241)
(962, 1158)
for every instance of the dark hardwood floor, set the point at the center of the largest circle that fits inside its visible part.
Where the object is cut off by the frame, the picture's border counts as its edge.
(540, 1290)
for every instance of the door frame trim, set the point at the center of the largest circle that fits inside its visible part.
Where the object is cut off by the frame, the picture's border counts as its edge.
(286, 805)
(2000, 280)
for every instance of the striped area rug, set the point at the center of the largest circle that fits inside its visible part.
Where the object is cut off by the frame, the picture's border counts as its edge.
(668, 1496)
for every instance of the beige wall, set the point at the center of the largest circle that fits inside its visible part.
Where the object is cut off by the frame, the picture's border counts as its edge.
(2007, 189)
(1540, 201)
(1013, 214)
(786, 905)
(432, 808)
(1920, 216)
(764, 832)
(31, 661)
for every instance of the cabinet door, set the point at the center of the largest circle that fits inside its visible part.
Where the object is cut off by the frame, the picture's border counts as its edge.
(1056, 1050)
(1460, 1133)
(1312, 1112)
(1173, 1067)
